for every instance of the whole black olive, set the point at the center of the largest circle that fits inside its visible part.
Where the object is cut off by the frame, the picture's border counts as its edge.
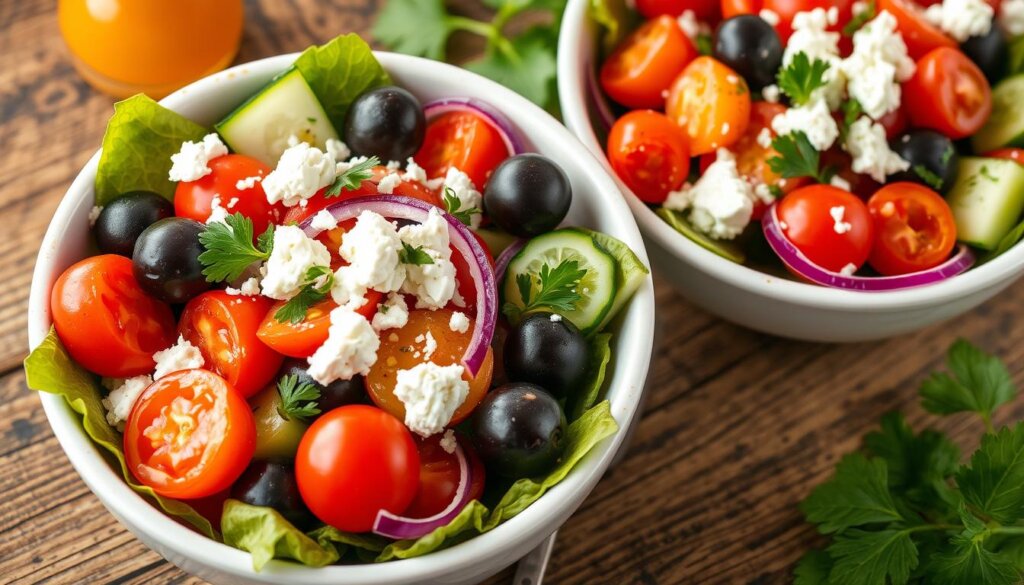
(547, 350)
(386, 122)
(519, 431)
(751, 47)
(527, 195)
(123, 219)
(933, 159)
(271, 483)
(166, 260)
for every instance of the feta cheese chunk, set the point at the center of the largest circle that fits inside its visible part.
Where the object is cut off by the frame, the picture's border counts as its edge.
(372, 249)
(249, 288)
(94, 214)
(692, 27)
(248, 182)
(870, 150)
(323, 220)
(720, 203)
(465, 191)
(771, 94)
(388, 183)
(337, 150)
(301, 172)
(293, 255)
(218, 213)
(877, 66)
(350, 349)
(459, 322)
(393, 313)
(448, 441)
(120, 401)
(769, 16)
(814, 119)
(840, 226)
(848, 270)
(180, 356)
(191, 163)
(961, 19)
(416, 173)
(812, 37)
(431, 395)
(432, 284)
(1011, 17)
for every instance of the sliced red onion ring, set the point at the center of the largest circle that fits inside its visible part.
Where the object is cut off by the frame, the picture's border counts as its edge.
(501, 264)
(485, 110)
(600, 101)
(399, 207)
(793, 258)
(399, 527)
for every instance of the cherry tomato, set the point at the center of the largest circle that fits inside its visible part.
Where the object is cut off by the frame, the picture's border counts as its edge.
(413, 189)
(787, 9)
(303, 338)
(810, 219)
(464, 283)
(731, 8)
(993, 3)
(711, 103)
(319, 200)
(189, 435)
(224, 328)
(919, 35)
(193, 199)
(948, 93)
(439, 477)
(649, 153)
(1014, 154)
(895, 123)
(401, 349)
(914, 229)
(463, 140)
(105, 320)
(353, 462)
(639, 72)
(704, 10)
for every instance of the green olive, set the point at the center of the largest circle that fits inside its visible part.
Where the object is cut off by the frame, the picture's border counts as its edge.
(277, 435)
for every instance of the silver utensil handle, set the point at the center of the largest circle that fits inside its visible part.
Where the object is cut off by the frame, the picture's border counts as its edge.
(531, 568)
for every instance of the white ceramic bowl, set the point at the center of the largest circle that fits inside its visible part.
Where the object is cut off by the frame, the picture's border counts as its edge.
(596, 203)
(746, 296)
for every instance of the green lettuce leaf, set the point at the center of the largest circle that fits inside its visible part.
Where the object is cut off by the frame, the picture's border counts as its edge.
(467, 524)
(600, 356)
(137, 147)
(339, 71)
(50, 369)
(266, 535)
(615, 19)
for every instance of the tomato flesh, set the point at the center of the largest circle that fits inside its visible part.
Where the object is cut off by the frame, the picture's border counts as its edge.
(834, 243)
(1014, 154)
(948, 93)
(439, 477)
(918, 34)
(194, 199)
(711, 103)
(649, 153)
(639, 72)
(914, 229)
(464, 140)
(302, 339)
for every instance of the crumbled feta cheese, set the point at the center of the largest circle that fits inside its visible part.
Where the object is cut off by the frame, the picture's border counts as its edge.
(814, 119)
(120, 401)
(812, 37)
(323, 220)
(961, 19)
(393, 165)
(721, 202)
(248, 182)
(1011, 17)
(429, 346)
(692, 27)
(765, 138)
(371, 249)
(388, 183)
(249, 288)
(448, 441)
(849, 270)
(350, 349)
(771, 94)
(293, 255)
(431, 395)
(877, 66)
(416, 173)
(343, 166)
(432, 284)
(218, 213)
(459, 322)
(763, 193)
(838, 213)
(301, 172)
(871, 154)
(556, 318)
(191, 163)
(769, 16)
(393, 313)
(840, 183)
(94, 214)
(465, 191)
(180, 356)
(337, 150)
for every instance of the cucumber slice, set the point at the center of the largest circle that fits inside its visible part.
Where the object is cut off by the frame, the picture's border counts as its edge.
(630, 272)
(496, 240)
(725, 249)
(597, 288)
(987, 200)
(285, 107)
(1005, 127)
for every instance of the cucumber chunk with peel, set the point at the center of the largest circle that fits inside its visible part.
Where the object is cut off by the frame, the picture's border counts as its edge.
(1005, 127)
(987, 200)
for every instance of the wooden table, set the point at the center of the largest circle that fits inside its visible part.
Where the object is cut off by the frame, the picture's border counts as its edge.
(738, 426)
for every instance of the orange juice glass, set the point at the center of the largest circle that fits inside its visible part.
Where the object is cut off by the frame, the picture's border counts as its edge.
(123, 47)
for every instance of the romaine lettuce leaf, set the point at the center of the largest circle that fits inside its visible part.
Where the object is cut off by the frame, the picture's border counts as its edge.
(339, 71)
(137, 147)
(600, 355)
(615, 19)
(49, 368)
(467, 524)
(267, 535)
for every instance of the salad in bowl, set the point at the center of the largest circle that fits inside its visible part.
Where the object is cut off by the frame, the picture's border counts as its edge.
(337, 325)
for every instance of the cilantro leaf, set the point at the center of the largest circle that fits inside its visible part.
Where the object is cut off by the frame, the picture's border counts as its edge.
(860, 19)
(993, 482)
(813, 568)
(970, 563)
(913, 461)
(414, 27)
(797, 158)
(416, 256)
(452, 204)
(802, 78)
(525, 64)
(352, 177)
(298, 401)
(930, 178)
(980, 383)
(872, 558)
(229, 250)
(318, 283)
(858, 494)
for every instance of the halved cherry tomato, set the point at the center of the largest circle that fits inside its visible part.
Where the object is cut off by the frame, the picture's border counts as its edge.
(787, 9)
(463, 140)
(948, 93)
(914, 229)
(224, 328)
(705, 10)
(193, 199)
(303, 338)
(711, 103)
(993, 3)
(318, 201)
(830, 226)
(861, 185)
(402, 349)
(649, 153)
(105, 320)
(639, 72)
(353, 462)
(895, 123)
(919, 35)
(413, 189)
(1014, 154)
(439, 477)
(731, 8)
(464, 283)
(189, 435)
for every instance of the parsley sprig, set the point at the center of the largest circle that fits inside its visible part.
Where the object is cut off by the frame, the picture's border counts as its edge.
(556, 289)
(802, 77)
(352, 177)
(906, 510)
(298, 400)
(798, 158)
(414, 255)
(453, 205)
(860, 19)
(229, 249)
(316, 286)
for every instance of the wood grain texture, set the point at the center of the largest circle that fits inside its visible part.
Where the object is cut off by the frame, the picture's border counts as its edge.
(738, 426)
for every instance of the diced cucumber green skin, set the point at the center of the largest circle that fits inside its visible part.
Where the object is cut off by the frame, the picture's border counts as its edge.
(1005, 127)
(496, 240)
(286, 106)
(987, 200)
(726, 249)
(1016, 61)
(631, 272)
(602, 293)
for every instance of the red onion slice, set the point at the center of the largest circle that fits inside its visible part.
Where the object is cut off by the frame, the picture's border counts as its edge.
(501, 264)
(399, 527)
(496, 119)
(399, 207)
(796, 261)
(600, 101)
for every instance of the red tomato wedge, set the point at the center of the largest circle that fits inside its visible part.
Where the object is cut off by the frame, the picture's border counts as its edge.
(639, 72)
(303, 338)
(914, 229)
(463, 140)
(194, 199)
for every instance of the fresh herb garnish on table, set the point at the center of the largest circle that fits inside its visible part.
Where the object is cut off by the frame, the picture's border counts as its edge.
(298, 400)
(556, 288)
(316, 286)
(907, 510)
(798, 158)
(524, 61)
(802, 77)
(352, 177)
(229, 250)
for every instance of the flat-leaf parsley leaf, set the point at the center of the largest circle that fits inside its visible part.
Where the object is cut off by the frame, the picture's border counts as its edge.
(229, 250)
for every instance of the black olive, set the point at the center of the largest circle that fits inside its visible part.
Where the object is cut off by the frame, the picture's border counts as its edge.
(386, 122)
(123, 219)
(527, 195)
(990, 52)
(519, 430)
(335, 394)
(271, 483)
(933, 159)
(550, 353)
(751, 47)
(166, 260)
